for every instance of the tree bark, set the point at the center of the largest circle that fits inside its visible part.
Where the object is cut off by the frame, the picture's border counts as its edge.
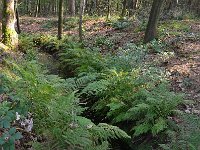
(60, 19)
(72, 7)
(17, 17)
(37, 8)
(82, 6)
(108, 10)
(10, 36)
(124, 9)
(151, 31)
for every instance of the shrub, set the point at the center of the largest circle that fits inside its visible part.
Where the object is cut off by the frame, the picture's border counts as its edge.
(116, 88)
(187, 137)
(126, 90)
(55, 107)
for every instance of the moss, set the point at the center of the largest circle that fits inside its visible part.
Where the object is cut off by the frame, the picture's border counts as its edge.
(9, 33)
(8, 37)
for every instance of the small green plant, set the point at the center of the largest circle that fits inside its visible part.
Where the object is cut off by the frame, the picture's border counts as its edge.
(121, 24)
(104, 41)
(7, 117)
(128, 90)
(142, 26)
(156, 46)
(50, 24)
(187, 137)
(54, 103)
(70, 23)
(117, 88)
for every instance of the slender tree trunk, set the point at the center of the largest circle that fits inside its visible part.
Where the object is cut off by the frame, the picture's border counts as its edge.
(82, 5)
(135, 7)
(108, 10)
(17, 17)
(124, 9)
(10, 36)
(135, 4)
(27, 7)
(60, 19)
(151, 31)
(37, 8)
(72, 7)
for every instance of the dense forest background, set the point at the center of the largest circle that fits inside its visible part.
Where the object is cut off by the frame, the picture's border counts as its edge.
(99, 74)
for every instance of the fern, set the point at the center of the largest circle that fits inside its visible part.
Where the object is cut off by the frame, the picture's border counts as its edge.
(187, 137)
(96, 87)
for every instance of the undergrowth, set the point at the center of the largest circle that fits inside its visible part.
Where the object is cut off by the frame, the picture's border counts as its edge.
(55, 108)
(101, 97)
(125, 89)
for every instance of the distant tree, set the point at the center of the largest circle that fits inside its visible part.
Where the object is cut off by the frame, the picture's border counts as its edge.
(37, 8)
(151, 30)
(124, 3)
(108, 10)
(60, 20)
(72, 7)
(10, 36)
(81, 12)
(17, 17)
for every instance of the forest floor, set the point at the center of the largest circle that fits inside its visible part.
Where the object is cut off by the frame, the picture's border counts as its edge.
(182, 39)
(177, 51)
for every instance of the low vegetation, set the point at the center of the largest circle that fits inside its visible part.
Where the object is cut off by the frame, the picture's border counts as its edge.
(101, 75)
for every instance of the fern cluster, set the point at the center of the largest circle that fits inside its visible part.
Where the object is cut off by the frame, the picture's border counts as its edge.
(126, 89)
(120, 89)
(54, 103)
(187, 136)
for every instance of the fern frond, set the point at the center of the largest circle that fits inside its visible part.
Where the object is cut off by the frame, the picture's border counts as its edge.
(141, 129)
(110, 132)
(96, 87)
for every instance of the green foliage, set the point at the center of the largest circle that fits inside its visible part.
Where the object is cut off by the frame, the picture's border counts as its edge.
(128, 90)
(54, 103)
(142, 27)
(118, 88)
(156, 46)
(120, 24)
(49, 24)
(173, 28)
(70, 23)
(47, 43)
(104, 41)
(81, 60)
(8, 138)
(7, 117)
(188, 135)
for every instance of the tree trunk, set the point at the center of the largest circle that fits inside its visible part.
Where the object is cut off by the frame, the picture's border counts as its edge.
(72, 7)
(82, 5)
(17, 17)
(151, 31)
(108, 10)
(37, 8)
(124, 9)
(135, 7)
(10, 36)
(60, 19)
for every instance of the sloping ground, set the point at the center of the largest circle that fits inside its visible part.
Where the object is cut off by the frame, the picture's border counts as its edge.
(185, 67)
(182, 36)
(94, 28)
